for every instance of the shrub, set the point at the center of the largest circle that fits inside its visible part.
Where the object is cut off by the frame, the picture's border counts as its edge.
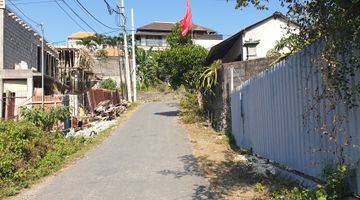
(336, 187)
(45, 119)
(108, 84)
(27, 153)
(190, 110)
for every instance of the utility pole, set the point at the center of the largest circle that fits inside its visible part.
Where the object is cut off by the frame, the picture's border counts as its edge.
(127, 68)
(42, 67)
(133, 55)
(120, 69)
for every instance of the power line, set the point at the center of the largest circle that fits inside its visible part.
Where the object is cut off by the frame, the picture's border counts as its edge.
(29, 18)
(72, 10)
(36, 2)
(88, 12)
(69, 16)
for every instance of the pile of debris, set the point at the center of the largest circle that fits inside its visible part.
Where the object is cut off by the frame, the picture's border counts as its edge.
(103, 117)
(258, 166)
(105, 110)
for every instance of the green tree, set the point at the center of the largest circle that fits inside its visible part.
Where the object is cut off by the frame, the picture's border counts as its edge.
(183, 62)
(176, 39)
(148, 70)
(183, 65)
(108, 84)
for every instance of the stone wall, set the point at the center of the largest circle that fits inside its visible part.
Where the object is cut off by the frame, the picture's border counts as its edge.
(217, 104)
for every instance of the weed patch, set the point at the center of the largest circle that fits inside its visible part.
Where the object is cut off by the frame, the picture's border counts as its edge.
(190, 111)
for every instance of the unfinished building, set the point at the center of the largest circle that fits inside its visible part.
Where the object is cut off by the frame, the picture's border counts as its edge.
(20, 63)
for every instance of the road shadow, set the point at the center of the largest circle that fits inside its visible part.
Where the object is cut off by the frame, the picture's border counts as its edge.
(190, 168)
(202, 192)
(168, 113)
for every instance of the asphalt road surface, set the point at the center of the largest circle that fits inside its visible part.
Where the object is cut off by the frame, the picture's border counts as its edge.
(148, 157)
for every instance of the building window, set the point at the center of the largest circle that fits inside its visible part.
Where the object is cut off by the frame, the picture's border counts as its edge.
(154, 41)
(251, 50)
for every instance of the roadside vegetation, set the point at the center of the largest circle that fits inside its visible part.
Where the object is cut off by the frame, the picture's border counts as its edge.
(108, 84)
(34, 147)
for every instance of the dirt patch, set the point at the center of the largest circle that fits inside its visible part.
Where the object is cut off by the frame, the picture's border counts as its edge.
(230, 173)
(156, 96)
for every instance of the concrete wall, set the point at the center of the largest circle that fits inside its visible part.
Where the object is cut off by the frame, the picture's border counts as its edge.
(19, 86)
(1, 35)
(20, 43)
(217, 105)
(108, 68)
(268, 33)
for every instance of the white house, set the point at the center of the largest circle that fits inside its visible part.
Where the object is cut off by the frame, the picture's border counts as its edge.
(154, 35)
(252, 42)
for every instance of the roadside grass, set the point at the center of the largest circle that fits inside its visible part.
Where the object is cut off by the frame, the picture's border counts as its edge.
(229, 177)
(43, 155)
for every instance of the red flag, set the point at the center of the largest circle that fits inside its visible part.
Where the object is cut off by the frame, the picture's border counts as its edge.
(186, 23)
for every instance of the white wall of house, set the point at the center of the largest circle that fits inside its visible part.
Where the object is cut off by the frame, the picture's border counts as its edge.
(156, 44)
(207, 44)
(267, 33)
(73, 43)
(20, 88)
(162, 44)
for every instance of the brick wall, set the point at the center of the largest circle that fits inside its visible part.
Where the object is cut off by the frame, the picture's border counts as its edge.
(217, 105)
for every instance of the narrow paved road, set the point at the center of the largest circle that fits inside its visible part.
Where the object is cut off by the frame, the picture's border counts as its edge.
(149, 157)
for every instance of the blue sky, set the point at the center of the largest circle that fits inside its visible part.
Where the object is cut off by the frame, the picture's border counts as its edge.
(219, 15)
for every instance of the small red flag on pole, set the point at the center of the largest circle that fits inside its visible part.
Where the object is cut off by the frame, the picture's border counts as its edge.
(186, 23)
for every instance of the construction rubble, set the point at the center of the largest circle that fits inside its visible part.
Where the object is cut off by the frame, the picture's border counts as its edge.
(104, 115)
